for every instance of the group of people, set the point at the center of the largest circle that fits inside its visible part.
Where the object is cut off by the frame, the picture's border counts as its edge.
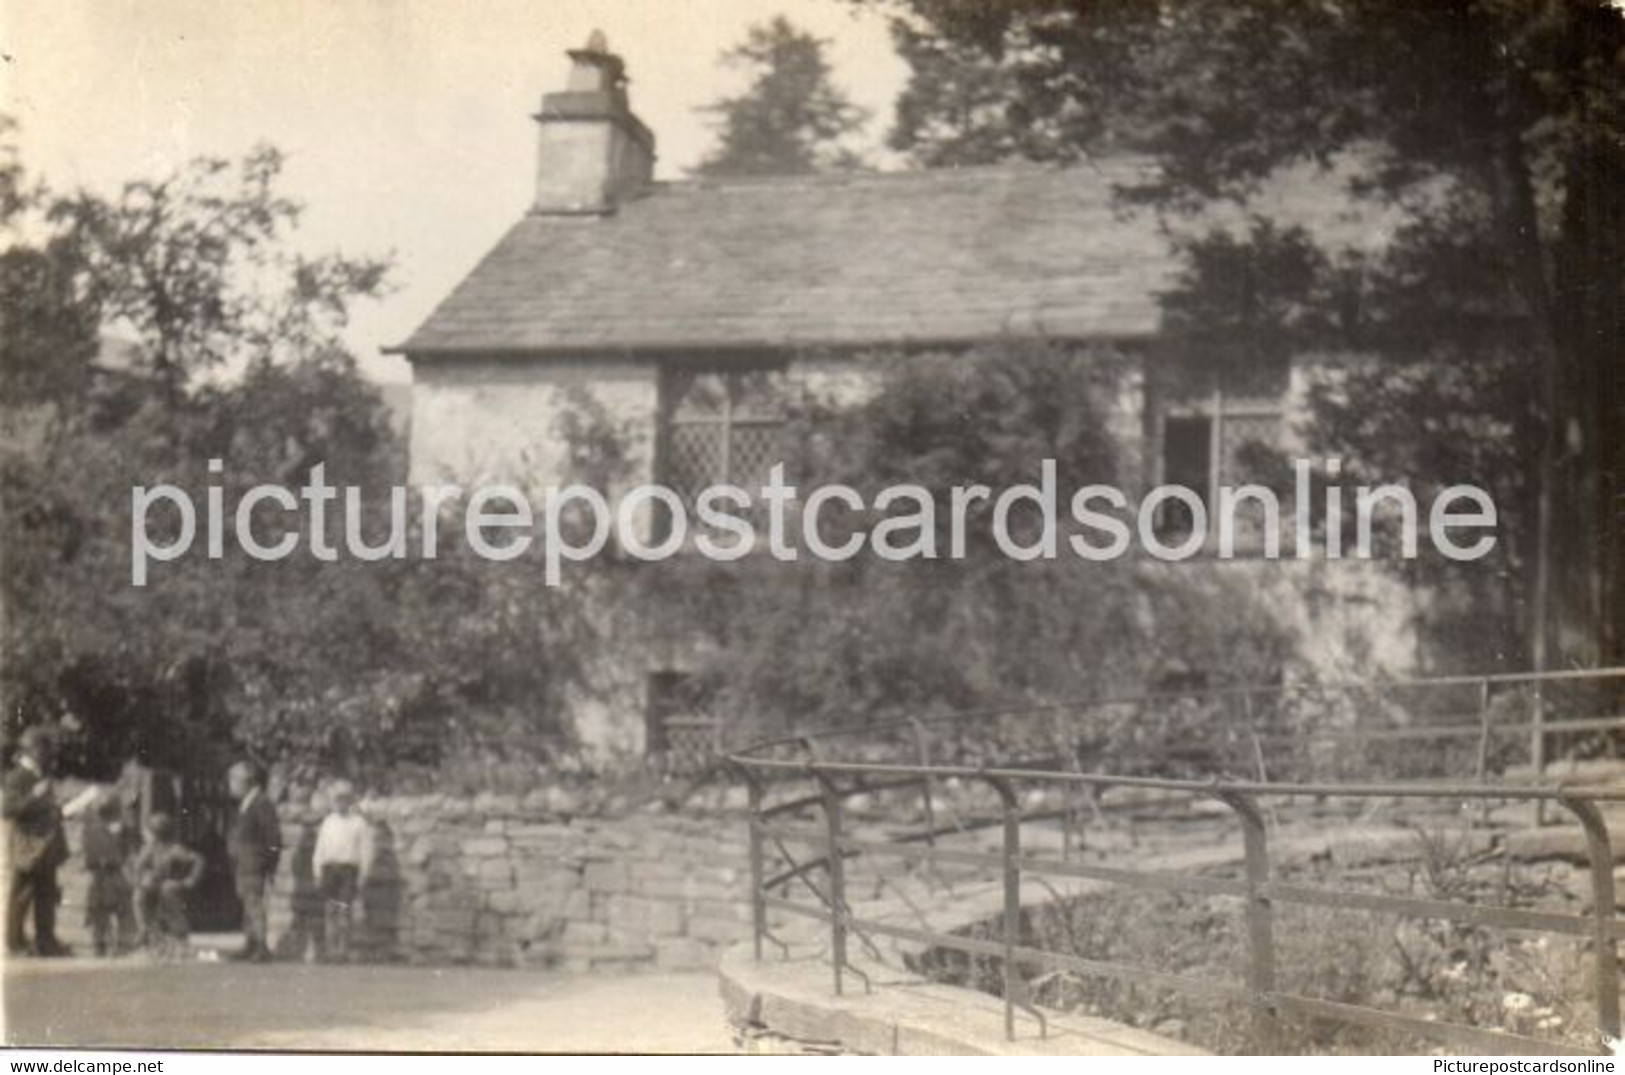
(138, 882)
(141, 874)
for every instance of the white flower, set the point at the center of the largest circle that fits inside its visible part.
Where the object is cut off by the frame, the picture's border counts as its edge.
(1517, 1003)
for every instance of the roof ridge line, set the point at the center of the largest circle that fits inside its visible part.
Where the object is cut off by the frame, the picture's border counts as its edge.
(947, 173)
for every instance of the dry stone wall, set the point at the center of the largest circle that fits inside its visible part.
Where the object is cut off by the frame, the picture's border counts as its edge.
(501, 880)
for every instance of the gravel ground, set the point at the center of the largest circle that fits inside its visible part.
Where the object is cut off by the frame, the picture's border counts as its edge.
(197, 1005)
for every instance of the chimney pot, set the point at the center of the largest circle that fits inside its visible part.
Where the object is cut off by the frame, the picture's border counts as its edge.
(595, 68)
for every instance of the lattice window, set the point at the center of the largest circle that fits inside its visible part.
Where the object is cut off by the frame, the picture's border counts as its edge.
(722, 427)
(680, 730)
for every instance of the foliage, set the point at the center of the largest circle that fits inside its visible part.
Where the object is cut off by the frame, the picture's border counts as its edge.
(1494, 124)
(812, 642)
(196, 266)
(173, 324)
(792, 119)
(1415, 374)
(1422, 968)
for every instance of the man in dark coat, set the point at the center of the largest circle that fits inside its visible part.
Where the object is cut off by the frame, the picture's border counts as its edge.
(35, 845)
(255, 845)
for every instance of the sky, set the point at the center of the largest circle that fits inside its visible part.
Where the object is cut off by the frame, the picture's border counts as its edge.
(406, 122)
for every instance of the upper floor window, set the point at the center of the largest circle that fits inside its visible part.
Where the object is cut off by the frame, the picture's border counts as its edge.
(1225, 431)
(721, 427)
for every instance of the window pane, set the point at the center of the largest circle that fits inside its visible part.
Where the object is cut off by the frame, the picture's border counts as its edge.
(724, 426)
(1186, 453)
(680, 730)
(694, 458)
(754, 448)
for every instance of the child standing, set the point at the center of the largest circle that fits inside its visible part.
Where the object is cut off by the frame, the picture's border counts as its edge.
(164, 872)
(109, 842)
(341, 860)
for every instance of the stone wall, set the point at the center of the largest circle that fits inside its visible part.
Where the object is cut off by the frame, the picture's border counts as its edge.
(485, 421)
(505, 881)
(498, 419)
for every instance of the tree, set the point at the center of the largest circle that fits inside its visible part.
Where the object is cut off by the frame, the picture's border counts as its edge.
(1499, 123)
(1445, 395)
(196, 266)
(792, 120)
(229, 348)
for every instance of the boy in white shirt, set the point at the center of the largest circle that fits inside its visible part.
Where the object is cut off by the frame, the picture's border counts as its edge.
(341, 861)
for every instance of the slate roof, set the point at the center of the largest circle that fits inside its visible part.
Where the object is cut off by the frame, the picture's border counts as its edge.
(848, 260)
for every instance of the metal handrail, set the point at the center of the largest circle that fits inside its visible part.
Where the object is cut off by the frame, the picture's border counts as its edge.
(834, 781)
(1518, 792)
(1493, 679)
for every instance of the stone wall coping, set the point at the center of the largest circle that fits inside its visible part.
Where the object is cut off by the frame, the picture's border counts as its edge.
(535, 807)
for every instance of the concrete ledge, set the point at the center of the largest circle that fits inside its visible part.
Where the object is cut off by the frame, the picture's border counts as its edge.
(908, 1016)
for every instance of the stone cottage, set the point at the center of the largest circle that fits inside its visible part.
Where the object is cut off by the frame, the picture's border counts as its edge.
(670, 302)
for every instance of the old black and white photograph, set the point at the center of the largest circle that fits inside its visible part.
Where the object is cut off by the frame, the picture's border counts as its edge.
(812, 527)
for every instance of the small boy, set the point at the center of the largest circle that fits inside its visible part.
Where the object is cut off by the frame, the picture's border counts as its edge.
(341, 860)
(164, 872)
(109, 842)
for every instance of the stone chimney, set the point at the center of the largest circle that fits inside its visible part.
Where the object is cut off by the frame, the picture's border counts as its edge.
(594, 153)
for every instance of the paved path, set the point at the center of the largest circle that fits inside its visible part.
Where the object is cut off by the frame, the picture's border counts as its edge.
(288, 1006)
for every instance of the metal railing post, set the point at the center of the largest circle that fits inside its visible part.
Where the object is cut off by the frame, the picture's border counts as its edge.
(833, 810)
(1606, 984)
(1250, 721)
(1021, 945)
(1537, 748)
(758, 898)
(1071, 816)
(1483, 730)
(1010, 852)
(1010, 847)
(1260, 921)
(922, 744)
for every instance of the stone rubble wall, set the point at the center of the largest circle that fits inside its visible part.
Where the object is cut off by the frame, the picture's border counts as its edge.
(499, 880)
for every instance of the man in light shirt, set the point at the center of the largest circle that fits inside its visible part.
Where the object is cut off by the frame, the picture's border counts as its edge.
(342, 859)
